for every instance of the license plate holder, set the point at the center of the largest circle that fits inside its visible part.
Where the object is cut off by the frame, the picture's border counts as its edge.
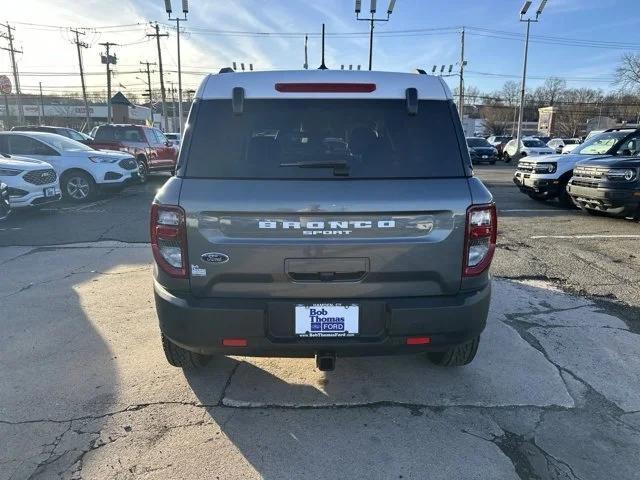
(49, 192)
(327, 320)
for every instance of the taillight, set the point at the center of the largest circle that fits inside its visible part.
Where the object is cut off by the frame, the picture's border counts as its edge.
(169, 239)
(480, 238)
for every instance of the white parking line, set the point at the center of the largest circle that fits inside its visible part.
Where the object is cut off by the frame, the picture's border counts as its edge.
(565, 237)
(537, 210)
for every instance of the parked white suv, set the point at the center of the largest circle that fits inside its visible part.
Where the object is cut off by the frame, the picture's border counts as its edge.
(528, 147)
(81, 169)
(30, 182)
(546, 177)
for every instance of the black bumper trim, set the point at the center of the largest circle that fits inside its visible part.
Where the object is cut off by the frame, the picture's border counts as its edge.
(201, 324)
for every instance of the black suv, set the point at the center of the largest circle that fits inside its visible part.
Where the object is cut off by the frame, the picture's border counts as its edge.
(610, 185)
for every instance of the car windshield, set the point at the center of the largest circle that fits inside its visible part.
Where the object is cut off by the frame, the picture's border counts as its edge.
(63, 143)
(477, 142)
(535, 143)
(600, 144)
(72, 134)
(571, 141)
(309, 138)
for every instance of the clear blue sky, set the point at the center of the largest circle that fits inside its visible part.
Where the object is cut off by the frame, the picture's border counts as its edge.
(602, 23)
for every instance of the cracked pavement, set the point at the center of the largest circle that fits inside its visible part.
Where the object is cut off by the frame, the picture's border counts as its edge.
(85, 391)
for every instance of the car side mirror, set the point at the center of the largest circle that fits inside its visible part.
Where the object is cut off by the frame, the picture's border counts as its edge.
(168, 143)
(626, 152)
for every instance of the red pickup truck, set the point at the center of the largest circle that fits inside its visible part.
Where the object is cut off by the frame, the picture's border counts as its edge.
(152, 150)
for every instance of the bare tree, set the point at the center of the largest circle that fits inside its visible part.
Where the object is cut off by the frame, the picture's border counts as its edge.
(579, 105)
(628, 72)
(497, 118)
(510, 93)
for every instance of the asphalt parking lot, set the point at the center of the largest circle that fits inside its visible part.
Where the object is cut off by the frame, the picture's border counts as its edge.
(85, 391)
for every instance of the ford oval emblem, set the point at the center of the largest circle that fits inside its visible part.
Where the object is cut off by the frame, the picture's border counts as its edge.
(214, 257)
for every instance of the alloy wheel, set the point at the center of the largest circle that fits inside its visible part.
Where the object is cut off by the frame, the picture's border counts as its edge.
(78, 188)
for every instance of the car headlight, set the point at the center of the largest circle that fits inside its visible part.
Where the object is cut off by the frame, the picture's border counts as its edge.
(547, 167)
(103, 159)
(10, 172)
(627, 174)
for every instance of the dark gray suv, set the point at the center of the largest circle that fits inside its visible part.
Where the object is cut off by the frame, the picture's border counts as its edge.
(322, 213)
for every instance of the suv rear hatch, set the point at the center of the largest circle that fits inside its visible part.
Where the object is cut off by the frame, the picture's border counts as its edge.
(310, 198)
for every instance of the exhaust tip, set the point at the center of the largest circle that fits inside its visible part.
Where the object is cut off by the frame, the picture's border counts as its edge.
(326, 362)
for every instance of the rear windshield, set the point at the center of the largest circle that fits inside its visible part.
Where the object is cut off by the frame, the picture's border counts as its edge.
(119, 134)
(309, 138)
(534, 143)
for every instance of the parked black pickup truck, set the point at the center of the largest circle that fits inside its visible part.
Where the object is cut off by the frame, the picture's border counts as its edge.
(610, 185)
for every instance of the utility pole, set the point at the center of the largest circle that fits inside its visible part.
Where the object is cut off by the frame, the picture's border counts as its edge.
(461, 86)
(173, 107)
(163, 95)
(80, 45)
(372, 20)
(523, 12)
(14, 66)
(306, 58)
(185, 10)
(108, 60)
(41, 103)
(148, 71)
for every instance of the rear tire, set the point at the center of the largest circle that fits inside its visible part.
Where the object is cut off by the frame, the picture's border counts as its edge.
(457, 356)
(506, 157)
(182, 358)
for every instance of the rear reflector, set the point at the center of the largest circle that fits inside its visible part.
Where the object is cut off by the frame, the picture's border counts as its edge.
(418, 340)
(326, 87)
(234, 342)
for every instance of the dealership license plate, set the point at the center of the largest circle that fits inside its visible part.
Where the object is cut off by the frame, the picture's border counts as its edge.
(50, 192)
(485, 156)
(327, 320)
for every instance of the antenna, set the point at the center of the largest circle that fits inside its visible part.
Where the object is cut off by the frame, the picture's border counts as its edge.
(322, 66)
(306, 59)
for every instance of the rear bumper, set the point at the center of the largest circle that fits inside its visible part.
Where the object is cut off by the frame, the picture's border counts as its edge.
(619, 201)
(200, 325)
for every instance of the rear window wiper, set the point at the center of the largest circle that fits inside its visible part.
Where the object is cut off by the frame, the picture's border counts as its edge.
(340, 168)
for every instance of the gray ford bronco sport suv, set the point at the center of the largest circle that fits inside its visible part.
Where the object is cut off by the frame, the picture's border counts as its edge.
(322, 213)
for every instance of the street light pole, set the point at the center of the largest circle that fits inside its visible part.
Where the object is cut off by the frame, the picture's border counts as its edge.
(372, 20)
(185, 10)
(523, 12)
